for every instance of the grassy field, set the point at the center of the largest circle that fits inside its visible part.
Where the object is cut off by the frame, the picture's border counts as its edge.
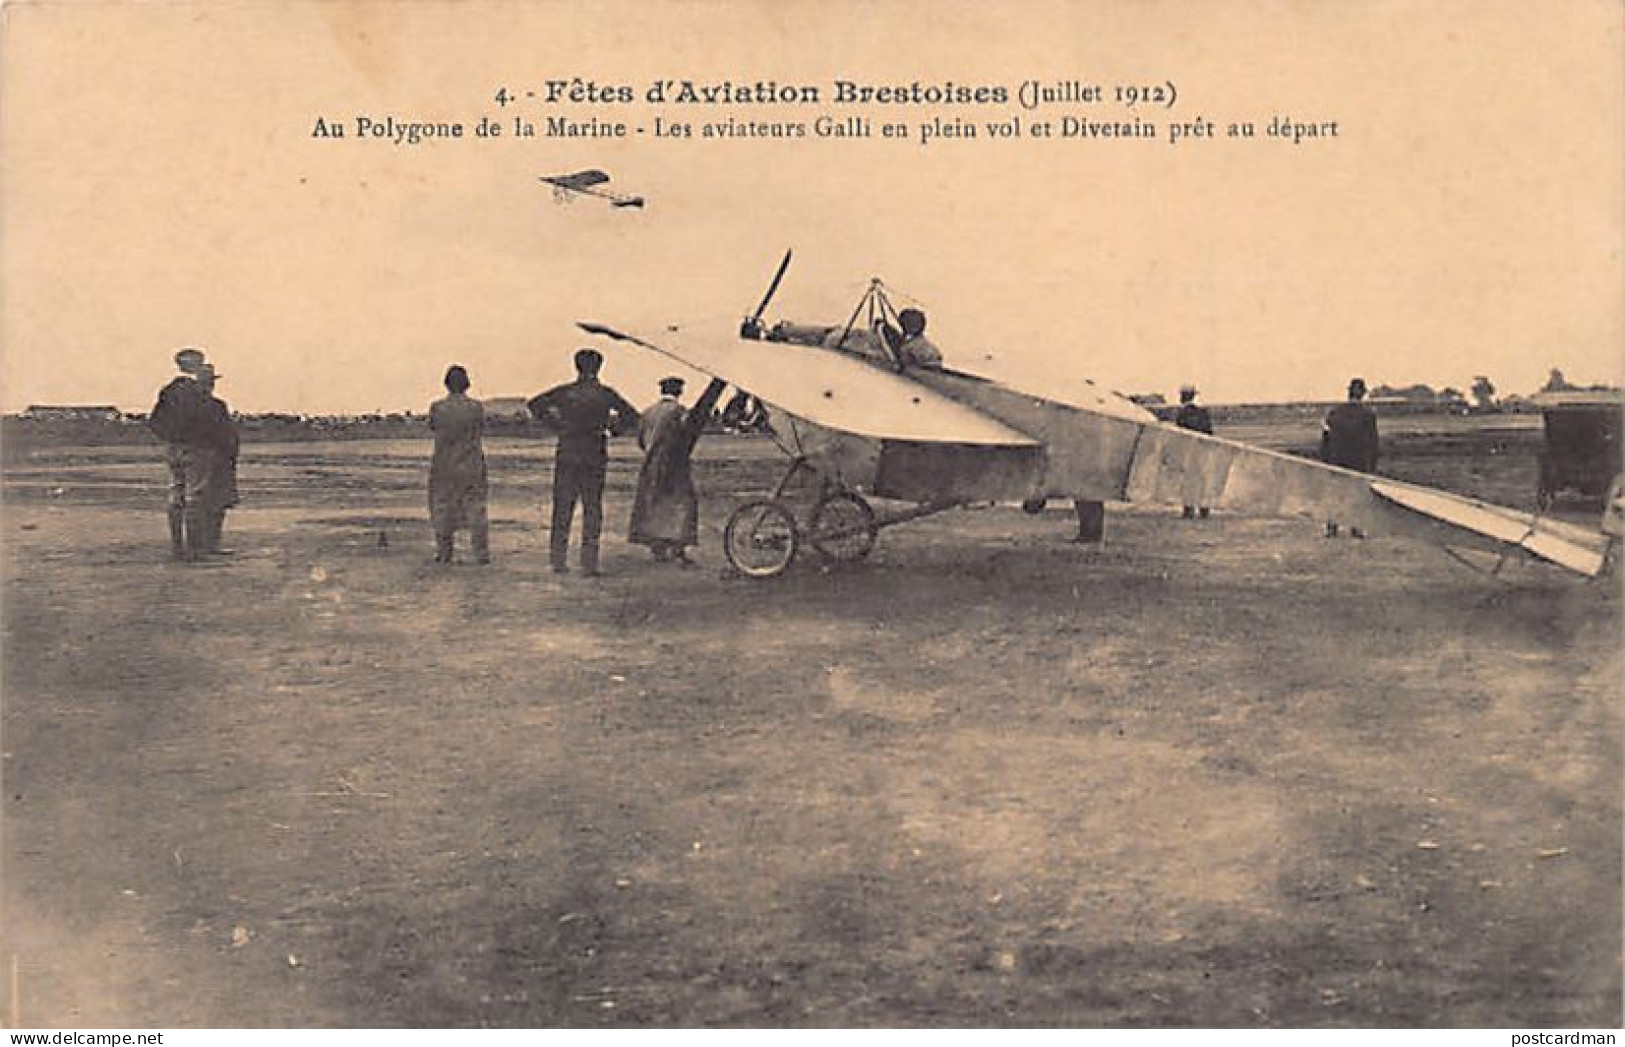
(1216, 774)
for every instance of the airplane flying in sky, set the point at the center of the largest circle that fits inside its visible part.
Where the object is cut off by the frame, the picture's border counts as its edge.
(587, 183)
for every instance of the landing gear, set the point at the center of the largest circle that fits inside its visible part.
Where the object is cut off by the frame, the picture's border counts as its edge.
(843, 528)
(760, 539)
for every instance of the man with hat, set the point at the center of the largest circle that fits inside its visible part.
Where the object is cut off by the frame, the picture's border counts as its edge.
(181, 419)
(666, 510)
(1194, 417)
(220, 437)
(583, 412)
(1349, 439)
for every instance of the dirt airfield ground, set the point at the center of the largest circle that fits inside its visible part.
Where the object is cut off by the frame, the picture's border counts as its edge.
(1216, 774)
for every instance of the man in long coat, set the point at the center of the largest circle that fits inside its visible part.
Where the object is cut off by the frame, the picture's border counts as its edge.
(457, 480)
(666, 510)
(220, 433)
(1349, 439)
(1195, 417)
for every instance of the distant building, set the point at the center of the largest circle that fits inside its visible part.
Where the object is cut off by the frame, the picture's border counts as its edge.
(73, 412)
(1579, 398)
(506, 407)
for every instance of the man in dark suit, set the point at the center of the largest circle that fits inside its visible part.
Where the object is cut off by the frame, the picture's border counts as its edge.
(584, 412)
(181, 419)
(1195, 417)
(1349, 439)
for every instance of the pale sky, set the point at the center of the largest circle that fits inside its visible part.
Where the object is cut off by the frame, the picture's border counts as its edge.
(161, 188)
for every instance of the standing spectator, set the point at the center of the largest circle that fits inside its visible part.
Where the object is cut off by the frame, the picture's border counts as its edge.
(179, 420)
(666, 510)
(220, 436)
(1349, 439)
(457, 481)
(1194, 417)
(584, 412)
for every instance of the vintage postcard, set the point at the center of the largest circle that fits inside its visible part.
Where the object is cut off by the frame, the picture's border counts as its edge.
(858, 514)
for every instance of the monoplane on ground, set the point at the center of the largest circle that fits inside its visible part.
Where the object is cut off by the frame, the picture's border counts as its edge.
(843, 406)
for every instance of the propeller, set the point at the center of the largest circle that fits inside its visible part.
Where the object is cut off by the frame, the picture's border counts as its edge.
(752, 327)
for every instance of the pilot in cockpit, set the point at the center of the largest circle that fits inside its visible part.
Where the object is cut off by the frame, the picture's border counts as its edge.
(884, 345)
(912, 347)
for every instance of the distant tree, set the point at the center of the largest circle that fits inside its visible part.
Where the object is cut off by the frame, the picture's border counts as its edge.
(1450, 394)
(1556, 383)
(1418, 393)
(1483, 392)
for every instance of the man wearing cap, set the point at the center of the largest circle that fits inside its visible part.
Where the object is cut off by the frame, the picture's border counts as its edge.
(180, 419)
(583, 412)
(665, 510)
(1194, 417)
(1349, 439)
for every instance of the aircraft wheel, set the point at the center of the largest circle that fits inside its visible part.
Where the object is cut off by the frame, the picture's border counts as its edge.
(760, 539)
(843, 528)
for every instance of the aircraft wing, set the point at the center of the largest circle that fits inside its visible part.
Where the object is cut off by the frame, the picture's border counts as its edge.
(1573, 547)
(831, 389)
(578, 180)
(1108, 455)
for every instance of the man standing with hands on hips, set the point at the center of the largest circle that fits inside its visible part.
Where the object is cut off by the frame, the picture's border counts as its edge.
(584, 412)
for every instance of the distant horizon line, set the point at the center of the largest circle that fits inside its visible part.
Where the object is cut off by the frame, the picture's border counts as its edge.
(420, 412)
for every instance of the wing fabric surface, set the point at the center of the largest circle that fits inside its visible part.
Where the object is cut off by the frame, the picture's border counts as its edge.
(1572, 547)
(1108, 454)
(831, 389)
(579, 180)
(1176, 465)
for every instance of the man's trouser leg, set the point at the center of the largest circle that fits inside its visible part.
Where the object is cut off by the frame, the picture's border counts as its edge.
(196, 523)
(443, 547)
(479, 522)
(175, 457)
(592, 514)
(177, 532)
(565, 492)
(197, 471)
(217, 527)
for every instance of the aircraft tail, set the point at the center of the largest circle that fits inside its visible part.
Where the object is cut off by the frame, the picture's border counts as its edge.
(1566, 545)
